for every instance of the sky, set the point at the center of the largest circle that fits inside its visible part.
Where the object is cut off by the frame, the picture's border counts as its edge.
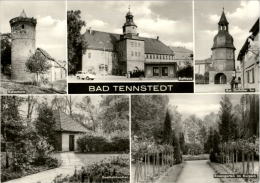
(241, 16)
(153, 18)
(200, 104)
(51, 23)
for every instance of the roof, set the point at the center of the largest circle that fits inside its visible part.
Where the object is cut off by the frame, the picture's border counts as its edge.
(223, 19)
(65, 123)
(107, 42)
(23, 14)
(255, 29)
(45, 53)
(181, 53)
(205, 61)
(23, 18)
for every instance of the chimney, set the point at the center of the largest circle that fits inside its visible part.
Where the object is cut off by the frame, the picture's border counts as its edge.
(90, 30)
(157, 37)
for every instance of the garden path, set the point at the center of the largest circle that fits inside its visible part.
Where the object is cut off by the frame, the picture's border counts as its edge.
(69, 160)
(197, 172)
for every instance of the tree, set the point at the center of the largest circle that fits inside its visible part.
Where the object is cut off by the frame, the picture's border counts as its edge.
(6, 53)
(59, 103)
(114, 113)
(31, 102)
(148, 114)
(76, 43)
(167, 129)
(45, 124)
(37, 64)
(11, 121)
(226, 119)
(88, 108)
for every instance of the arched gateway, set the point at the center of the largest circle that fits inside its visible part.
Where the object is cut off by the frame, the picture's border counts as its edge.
(220, 78)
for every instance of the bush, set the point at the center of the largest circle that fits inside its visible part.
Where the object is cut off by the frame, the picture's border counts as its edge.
(90, 143)
(186, 71)
(120, 144)
(111, 167)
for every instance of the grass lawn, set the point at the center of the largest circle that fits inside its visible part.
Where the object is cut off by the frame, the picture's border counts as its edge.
(195, 157)
(10, 86)
(225, 169)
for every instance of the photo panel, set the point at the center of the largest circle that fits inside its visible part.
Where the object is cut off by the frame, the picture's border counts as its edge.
(195, 138)
(138, 42)
(33, 47)
(226, 46)
(65, 138)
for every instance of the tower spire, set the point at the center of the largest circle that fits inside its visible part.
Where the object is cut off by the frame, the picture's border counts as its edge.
(23, 14)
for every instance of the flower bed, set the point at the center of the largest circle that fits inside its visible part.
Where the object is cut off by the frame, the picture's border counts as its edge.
(114, 169)
(8, 174)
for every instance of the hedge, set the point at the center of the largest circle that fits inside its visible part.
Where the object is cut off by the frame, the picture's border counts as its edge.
(99, 144)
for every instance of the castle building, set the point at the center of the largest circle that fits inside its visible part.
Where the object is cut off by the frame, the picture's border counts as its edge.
(120, 54)
(223, 54)
(23, 33)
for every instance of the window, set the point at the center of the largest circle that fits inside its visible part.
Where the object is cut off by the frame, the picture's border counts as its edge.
(22, 26)
(136, 54)
(250, 76)
(89, 55)
(155, 71)
(165, 71)
(139, 54)
(132, 44)
(132, 53)
(135, 44)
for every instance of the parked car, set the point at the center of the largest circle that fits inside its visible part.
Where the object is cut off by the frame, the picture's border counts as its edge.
(85, 75)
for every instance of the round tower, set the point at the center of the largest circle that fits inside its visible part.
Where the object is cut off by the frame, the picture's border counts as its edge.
(223, 54)
(223, 50)
(23, 45)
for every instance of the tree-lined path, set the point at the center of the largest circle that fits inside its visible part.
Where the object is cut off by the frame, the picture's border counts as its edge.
(197, 172)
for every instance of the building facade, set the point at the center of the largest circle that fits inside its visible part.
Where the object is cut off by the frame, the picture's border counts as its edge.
(68, 131)
(121, 54)
(223, 54)
(249, 59)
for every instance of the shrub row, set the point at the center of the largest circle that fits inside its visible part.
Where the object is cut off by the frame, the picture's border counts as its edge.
(90, 143)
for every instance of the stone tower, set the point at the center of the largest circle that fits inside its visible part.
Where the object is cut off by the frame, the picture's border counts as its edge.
(23, 45)
(223, 54)
(130, 47)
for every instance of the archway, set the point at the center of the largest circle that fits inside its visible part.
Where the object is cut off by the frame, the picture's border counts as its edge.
(220, 78)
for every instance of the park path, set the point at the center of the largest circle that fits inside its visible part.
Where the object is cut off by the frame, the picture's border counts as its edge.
(70, 161)
(197, 172)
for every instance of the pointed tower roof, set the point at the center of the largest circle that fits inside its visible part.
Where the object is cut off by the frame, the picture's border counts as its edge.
(23, 14)
(223, 19)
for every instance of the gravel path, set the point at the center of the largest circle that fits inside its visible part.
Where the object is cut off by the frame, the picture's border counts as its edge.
(197, 172)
